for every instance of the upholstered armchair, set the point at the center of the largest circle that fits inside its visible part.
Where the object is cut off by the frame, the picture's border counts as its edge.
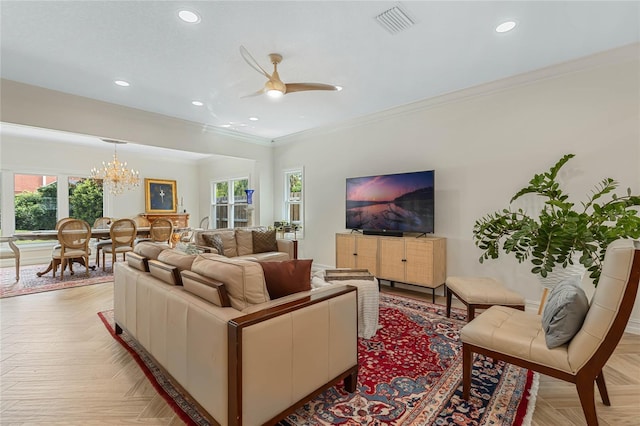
(518, 338)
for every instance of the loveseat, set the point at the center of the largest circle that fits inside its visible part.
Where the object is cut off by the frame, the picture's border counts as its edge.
(209, 322)
(252, 243)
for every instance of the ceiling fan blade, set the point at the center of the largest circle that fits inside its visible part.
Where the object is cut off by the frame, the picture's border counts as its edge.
(251, 95)
(301, 87)
(252, 62)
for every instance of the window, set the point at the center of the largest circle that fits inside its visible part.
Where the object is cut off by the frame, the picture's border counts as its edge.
(293, 198)
(36, 202)
(39, 200)
(229, 208)
(85, 199)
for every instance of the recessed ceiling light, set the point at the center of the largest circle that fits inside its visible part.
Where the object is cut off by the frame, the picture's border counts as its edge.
(254, 118)
(122, 83)
(197, 103)
(505, 26)
(338, 88)
(189, 16)
(225, 125)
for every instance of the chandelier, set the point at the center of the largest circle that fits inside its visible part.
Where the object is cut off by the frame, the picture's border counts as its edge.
(115, 174)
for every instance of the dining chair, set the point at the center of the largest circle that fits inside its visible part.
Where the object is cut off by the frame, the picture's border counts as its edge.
(161, 231)
(204, 223)
(10, 252)
(101, 223)
(74, 236)
(123, 234)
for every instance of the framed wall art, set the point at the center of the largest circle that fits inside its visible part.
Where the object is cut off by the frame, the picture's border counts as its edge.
(160, 196)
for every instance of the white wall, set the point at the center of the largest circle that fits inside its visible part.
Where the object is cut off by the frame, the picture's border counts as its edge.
(27, 155)
(38, 107)
(484, 144)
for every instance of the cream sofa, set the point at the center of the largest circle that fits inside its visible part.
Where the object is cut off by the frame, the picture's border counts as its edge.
(238, 243)
(244, 358)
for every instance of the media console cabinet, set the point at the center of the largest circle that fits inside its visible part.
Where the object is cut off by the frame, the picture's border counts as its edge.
(420, 261)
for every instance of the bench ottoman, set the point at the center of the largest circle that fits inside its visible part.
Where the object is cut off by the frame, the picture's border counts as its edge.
(480, 293)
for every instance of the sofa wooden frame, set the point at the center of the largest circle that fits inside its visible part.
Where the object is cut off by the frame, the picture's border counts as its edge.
(237, 325)
(235, 329)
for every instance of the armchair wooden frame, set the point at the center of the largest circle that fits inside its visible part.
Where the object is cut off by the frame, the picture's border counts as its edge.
(591, 371)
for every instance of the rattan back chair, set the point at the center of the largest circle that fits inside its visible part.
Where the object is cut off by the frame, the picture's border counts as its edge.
(74, 236)
(161, 231)
(123, 234)
(102, 223)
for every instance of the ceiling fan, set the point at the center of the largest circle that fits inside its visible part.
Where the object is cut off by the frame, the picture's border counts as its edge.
(275, 87)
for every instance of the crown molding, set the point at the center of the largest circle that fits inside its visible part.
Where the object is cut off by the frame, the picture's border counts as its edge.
(619, 55)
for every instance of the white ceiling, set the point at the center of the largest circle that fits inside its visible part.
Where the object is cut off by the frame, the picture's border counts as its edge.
(81, 47)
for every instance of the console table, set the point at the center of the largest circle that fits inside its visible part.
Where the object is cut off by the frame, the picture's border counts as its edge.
(178, 219)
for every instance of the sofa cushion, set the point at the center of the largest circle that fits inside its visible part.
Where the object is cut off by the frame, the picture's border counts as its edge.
(243, 279)
(564, 312)
(287, 277)
(177, 258)
(244, 241)
(229, 242)
(149, 249)
(264, 241)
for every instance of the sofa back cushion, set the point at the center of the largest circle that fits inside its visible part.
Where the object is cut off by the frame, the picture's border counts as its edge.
(177, 258)
(149, 250)
(243, 279)
(228, 237)
(287, 277)
(244, 241)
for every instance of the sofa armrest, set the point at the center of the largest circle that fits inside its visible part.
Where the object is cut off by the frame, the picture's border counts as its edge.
(287, 246)
(295, 350)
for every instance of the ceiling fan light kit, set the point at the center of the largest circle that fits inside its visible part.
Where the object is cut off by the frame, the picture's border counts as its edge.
(275, 87)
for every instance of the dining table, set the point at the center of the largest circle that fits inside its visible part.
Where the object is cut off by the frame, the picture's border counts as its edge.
(98, 233)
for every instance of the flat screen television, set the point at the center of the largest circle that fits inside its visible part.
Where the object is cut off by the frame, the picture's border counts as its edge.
(391, 204)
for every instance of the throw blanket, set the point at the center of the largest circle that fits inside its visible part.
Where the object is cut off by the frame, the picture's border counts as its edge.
(368, 302)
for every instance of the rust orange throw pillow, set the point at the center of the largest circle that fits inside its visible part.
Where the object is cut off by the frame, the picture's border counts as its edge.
(287, 277)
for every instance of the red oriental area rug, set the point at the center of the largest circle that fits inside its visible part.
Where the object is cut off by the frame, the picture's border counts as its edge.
(410, 374)
(31, 283)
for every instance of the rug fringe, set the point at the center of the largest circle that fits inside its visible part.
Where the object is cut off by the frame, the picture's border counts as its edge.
(531, 404)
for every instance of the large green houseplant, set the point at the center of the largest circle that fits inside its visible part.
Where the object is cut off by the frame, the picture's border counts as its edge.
(561, 231)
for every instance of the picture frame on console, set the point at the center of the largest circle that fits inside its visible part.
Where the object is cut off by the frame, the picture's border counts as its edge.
(160, 196)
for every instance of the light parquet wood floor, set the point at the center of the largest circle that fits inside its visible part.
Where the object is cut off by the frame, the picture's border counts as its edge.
(58, 365)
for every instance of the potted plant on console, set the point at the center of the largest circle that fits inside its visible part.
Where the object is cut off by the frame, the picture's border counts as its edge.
(561, 231)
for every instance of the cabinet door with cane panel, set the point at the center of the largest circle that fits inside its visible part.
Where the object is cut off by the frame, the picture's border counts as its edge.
(357, 251)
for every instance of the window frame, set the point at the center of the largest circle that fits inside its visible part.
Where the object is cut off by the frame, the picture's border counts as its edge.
(288, 201)
(7, 198)
(231, 202)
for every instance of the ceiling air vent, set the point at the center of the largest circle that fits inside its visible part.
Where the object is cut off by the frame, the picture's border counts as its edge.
(395, 20)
